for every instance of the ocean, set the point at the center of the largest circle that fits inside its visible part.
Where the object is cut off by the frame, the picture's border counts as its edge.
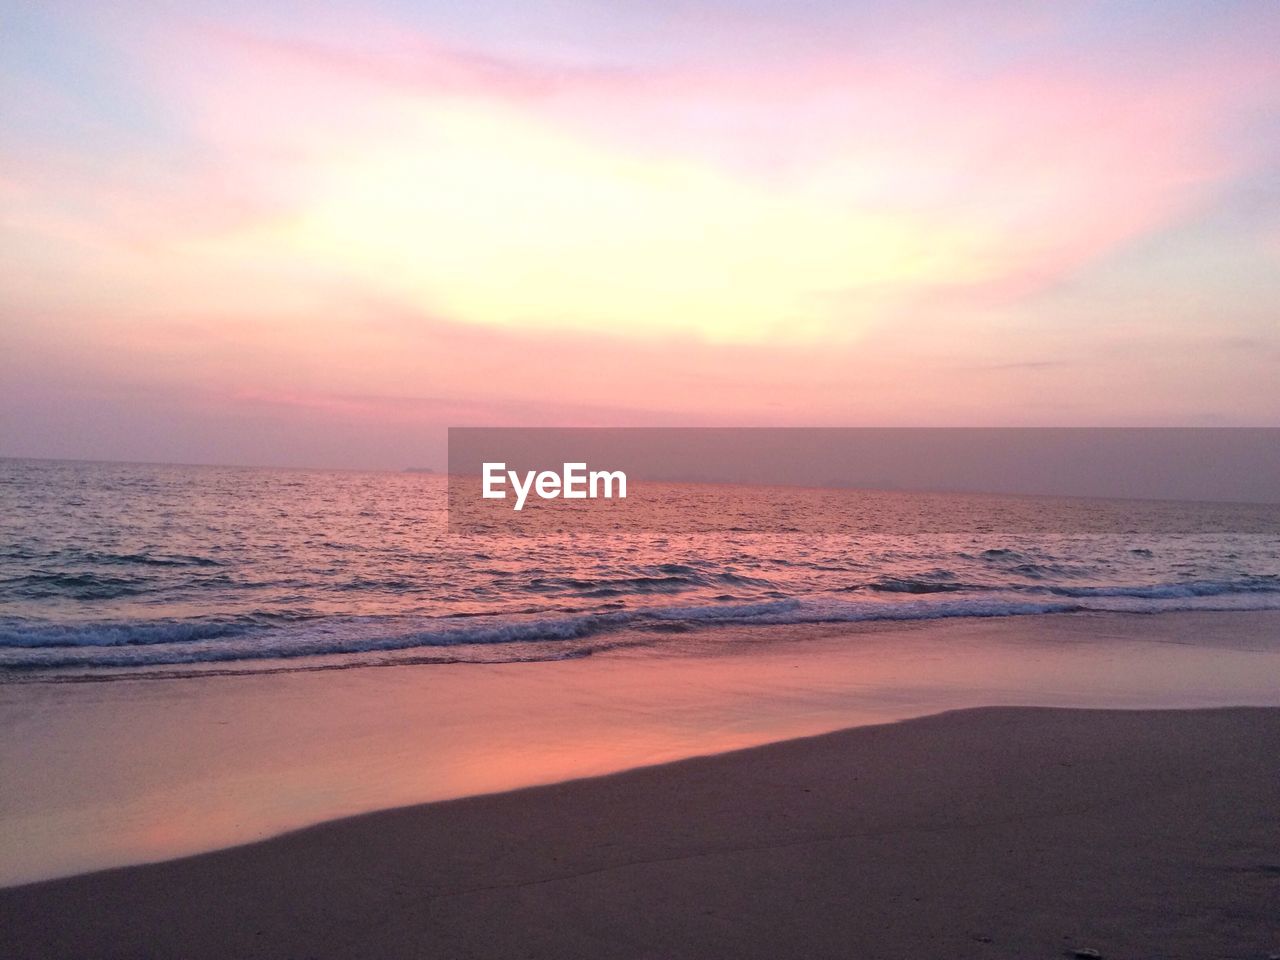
(111, 570)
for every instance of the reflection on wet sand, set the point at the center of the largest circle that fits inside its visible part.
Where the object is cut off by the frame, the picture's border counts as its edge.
(151, 769)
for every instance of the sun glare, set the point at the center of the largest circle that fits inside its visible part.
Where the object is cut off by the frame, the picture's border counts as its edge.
(492, 218)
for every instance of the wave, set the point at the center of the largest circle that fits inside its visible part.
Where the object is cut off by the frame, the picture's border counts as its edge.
(666, 579)
(1156, 591)
(152, 559)
(186, 642)
(73, 585)
(909, 585)
(116, 634)
(621, 586)
(37, 645)
(1173, 591)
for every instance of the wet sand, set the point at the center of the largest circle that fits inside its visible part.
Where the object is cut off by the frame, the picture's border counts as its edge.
(99, 775)
(1002, 832)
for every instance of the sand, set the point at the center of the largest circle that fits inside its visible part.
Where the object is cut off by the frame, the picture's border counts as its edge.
(999, 832)
(98, 775)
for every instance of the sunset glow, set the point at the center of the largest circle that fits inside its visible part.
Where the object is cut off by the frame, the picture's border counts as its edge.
(322, 239)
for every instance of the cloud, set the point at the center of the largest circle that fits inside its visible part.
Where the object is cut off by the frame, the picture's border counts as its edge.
(739, 201)
(699, 215)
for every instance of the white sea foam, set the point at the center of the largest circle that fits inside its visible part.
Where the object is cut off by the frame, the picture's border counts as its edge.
(121, 645)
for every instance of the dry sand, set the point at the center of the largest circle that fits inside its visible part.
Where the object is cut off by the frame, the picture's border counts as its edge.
(1002, 832)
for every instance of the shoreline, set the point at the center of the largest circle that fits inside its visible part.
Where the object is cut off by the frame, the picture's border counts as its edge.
(630, 637)
(990, 832)
(150, 771)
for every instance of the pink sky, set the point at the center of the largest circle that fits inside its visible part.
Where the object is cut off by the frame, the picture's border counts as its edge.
(321, 240)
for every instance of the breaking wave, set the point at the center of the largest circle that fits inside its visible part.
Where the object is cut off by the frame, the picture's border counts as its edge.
(26, 645)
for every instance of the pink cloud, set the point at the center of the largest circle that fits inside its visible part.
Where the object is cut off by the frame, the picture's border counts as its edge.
(1066, 160)
(1052, 164)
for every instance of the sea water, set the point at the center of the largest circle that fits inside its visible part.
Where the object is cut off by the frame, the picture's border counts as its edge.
(111, 570)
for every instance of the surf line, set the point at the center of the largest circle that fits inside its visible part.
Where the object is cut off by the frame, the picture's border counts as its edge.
(574, 482)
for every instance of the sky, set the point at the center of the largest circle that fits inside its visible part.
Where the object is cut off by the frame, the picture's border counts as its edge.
(321, 233)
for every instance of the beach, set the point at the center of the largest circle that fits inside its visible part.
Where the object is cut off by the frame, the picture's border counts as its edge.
(1003, 787)
(555, 480)
(1004, 832)
(118, 772)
